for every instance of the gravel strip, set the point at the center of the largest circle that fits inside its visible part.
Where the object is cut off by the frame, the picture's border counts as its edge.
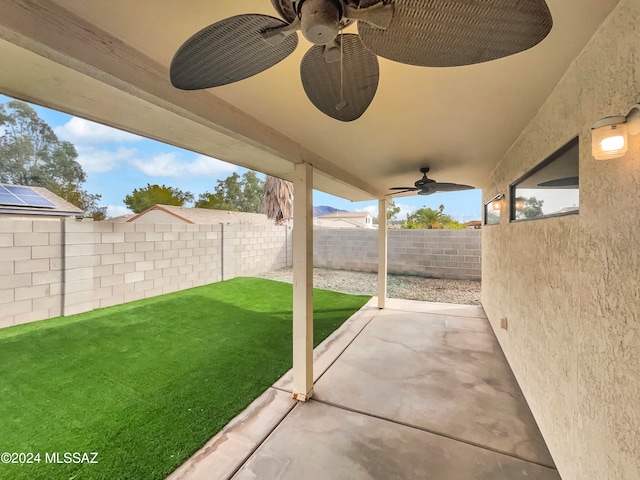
(463, 292)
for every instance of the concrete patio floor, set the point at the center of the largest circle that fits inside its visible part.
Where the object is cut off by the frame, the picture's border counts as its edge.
(418, 390)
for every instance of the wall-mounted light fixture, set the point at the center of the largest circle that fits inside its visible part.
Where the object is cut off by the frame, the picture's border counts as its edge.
(609, 136)
(496, 202)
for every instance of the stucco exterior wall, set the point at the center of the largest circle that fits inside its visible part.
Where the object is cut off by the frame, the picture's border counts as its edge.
(570, 286)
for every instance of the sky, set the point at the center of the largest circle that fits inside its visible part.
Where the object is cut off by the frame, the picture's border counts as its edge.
(116, 162)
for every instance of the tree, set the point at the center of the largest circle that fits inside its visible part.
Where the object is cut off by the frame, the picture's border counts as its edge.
(430, 218)
(423, 218)
(243, 193)
(252, 193)
(139, 200)
(81, 199)
(392, 210)
(212, 201)
(277, 202)
(531, 207)
(32, 154)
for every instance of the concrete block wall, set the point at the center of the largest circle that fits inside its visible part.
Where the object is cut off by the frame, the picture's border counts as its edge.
(30, 270)
(50, 267)
(249, 250)
(453, 254)
(111, 263)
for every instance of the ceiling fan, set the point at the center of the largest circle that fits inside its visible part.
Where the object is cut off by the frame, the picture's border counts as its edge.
(340, 72)
(427, 186)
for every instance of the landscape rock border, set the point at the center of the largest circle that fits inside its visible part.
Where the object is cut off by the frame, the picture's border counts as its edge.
(462, 292)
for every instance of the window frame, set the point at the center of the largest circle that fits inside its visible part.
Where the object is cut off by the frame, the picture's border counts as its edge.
(575, 141)
(486, 206)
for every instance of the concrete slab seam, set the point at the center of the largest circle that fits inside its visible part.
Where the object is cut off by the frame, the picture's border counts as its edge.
(261, 442)
(436, 313)
(433, 432)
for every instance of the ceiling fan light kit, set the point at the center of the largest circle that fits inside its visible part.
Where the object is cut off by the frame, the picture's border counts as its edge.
(428, 33)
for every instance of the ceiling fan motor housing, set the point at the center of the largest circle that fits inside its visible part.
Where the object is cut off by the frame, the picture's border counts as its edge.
(320, 20)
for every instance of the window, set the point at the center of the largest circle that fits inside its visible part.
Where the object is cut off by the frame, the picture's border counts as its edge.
(550, 189)
(491, 215)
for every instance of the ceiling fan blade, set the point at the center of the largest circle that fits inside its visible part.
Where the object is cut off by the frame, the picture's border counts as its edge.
(321, 80)
(450, 187)
(572, 182)
(228, 51)
(402, 188)
(285, 9)
(403, 191)
(448, 33)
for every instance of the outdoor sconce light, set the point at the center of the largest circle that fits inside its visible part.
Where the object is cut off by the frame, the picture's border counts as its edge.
(609, 136)
(496, 202)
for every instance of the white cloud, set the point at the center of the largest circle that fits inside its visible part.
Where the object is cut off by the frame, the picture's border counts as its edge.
(372, 209)
(117, 210)
(404, 210)
(170, 165)
(465, 217)
(95, 160)
(82, 132)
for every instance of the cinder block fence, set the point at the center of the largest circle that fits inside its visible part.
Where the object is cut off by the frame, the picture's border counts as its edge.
(453, 254)
(50, 268)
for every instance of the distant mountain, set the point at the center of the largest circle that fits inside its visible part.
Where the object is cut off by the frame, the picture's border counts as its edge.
(324, 210)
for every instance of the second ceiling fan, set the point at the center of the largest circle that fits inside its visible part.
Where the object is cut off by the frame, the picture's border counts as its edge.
(428, 186)
(340, 71)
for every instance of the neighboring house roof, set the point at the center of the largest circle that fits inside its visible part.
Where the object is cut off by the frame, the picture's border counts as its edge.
(338, 223)
(61, 207)
(573, 208)
(474, 224)
(121, 218)
(346, 215)
(207, 216)
(344, 220)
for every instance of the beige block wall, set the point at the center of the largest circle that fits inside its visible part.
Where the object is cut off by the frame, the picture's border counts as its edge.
(570, 286)
(30, 270)
(453, 254)
(50, 268)
(249, 250)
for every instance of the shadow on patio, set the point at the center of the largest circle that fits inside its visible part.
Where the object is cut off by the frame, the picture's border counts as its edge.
(418, 390)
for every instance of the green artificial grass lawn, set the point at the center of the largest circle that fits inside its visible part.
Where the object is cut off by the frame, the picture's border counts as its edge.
(146, 384)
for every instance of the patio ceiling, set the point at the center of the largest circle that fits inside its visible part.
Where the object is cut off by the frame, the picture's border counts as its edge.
(108, 61)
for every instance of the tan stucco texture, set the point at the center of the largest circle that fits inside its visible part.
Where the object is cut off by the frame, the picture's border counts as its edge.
(570, 286)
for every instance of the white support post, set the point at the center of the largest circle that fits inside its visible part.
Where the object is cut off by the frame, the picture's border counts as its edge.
(303, 282)
(382, 252)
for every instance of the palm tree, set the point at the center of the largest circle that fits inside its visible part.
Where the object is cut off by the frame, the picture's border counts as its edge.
(425, 218)
(277, 202)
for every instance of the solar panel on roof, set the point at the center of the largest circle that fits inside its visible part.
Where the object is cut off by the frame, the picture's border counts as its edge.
(8, 199)
(17, 190)
(33, 201)
(23, 197)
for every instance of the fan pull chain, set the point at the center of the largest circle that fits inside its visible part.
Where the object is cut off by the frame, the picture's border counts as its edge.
(343, 104)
